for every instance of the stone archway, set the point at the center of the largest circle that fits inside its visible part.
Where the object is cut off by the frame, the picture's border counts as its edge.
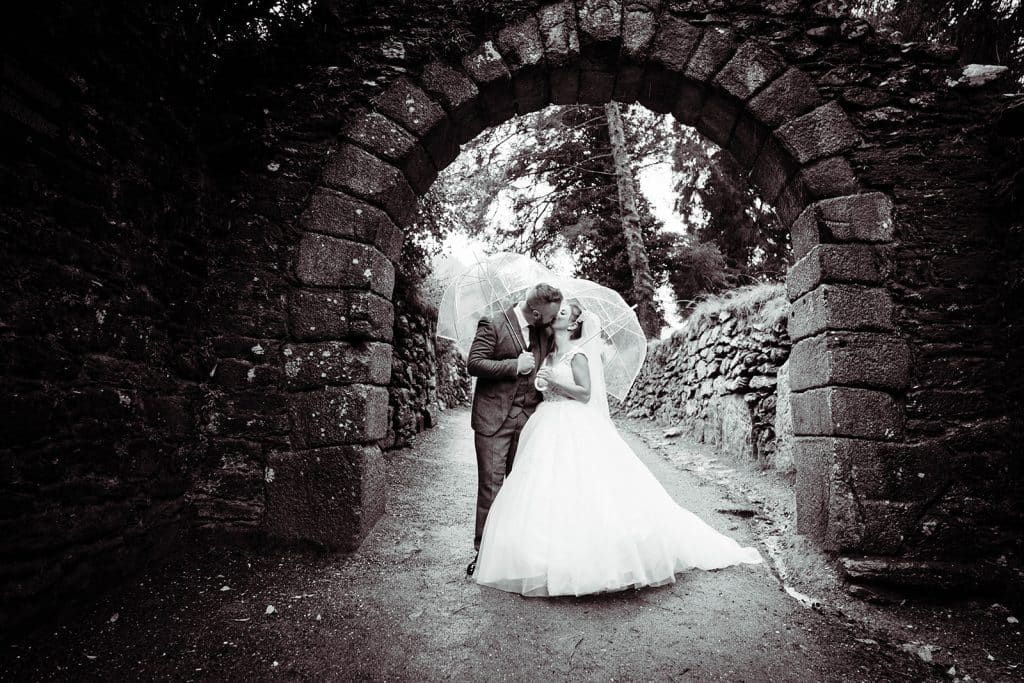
(849, 363)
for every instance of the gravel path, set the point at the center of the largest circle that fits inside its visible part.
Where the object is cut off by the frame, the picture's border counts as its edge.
(401, 608)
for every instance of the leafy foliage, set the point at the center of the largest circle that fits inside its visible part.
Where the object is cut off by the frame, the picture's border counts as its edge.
(736, 238)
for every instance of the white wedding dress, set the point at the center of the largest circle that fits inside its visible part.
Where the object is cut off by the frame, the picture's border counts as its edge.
(580, 514)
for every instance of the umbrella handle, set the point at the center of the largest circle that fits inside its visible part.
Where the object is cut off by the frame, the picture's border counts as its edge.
(513, 331)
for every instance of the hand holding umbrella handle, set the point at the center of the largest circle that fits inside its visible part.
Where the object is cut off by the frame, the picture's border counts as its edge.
(525, 363)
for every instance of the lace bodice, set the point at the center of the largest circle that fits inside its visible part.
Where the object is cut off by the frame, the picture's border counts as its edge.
(562, 370)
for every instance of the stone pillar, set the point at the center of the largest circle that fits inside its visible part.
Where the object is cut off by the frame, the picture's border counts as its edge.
(327, 486)
(847, 369)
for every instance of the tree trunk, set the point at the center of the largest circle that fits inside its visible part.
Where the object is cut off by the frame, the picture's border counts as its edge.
(643, 280)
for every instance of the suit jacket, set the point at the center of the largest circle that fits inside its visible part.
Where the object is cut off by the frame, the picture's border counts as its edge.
(492, 360)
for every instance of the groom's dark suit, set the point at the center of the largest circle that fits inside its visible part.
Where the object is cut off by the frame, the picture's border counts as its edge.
(502, 402)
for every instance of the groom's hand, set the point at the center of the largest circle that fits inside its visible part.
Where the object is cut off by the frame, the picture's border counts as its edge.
(526, 363)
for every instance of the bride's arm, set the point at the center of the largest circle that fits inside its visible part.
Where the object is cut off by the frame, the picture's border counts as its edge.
(581, 376)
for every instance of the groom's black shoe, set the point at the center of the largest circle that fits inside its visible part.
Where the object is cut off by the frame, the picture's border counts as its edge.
(472, 566)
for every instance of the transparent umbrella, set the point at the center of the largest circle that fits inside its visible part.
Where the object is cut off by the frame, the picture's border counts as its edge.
(618, 337)
(485, 288)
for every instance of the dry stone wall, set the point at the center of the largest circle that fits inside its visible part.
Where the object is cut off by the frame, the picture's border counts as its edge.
(427, 375)
(716, 377)
(103, 357)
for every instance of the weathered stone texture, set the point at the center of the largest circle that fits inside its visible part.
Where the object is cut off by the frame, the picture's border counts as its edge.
(749, 70)
(841, 358)
(324, 261)
(840, 307)
(600, 21)
(458, 95)
(640, 26)
(523, 50)
(819, 133)
(716, 379)
(831, 177)
(385, 138)
(836, 263)
(309, 366)
(772, 169)
(363, 175)
(486, 67)
(667, 58)
(717, 46)
(847, 411)
(348, 314)
(855, 218)
(782, 459)
(340, 215)
(408, 105)
(599, 25)
(557, 26)
(103, 355)
(328, 496)
(341, 415)
(428, 376)
(787, 97)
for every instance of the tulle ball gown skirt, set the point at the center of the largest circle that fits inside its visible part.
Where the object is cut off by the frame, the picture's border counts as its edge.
(581, 514)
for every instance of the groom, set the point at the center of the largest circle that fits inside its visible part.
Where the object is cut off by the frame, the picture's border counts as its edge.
(504, 358)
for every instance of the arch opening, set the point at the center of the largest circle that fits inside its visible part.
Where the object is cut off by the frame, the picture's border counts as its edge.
(849, 364)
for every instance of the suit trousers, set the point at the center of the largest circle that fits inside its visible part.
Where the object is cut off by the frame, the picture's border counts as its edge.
(494, 456)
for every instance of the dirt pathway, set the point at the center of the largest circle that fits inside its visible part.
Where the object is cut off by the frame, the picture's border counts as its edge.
(401, 609)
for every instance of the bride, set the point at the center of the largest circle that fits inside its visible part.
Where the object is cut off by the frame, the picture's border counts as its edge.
(579, 513)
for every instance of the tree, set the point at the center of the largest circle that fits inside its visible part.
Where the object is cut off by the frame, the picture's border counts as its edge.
(726, 211)
(700, 269)
(625, 179)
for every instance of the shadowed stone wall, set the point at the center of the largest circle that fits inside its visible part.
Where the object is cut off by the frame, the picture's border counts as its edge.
(103, 356)
(185, 259)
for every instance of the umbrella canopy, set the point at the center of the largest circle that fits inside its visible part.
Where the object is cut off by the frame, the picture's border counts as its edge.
(620, 338)
(486, 288)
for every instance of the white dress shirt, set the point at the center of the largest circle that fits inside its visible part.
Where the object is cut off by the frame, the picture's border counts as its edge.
(524, 327)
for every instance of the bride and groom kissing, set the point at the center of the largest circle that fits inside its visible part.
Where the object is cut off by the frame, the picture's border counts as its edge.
(564, 506)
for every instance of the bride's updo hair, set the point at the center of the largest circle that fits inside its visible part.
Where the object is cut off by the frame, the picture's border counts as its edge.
(576, 313)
